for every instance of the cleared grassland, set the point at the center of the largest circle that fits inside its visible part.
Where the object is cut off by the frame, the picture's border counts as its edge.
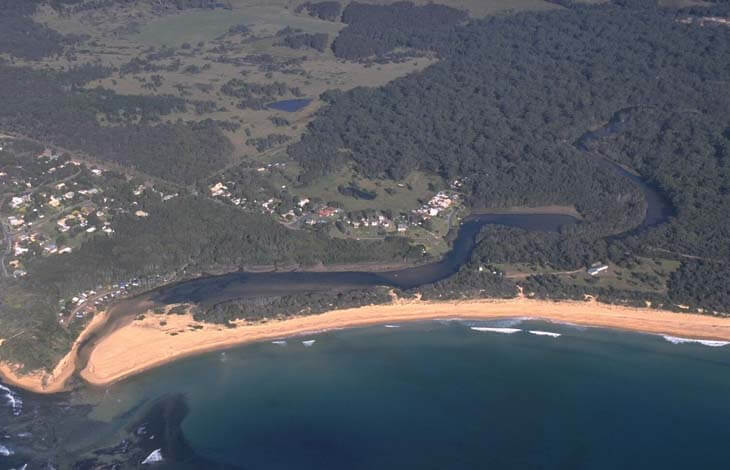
(402, 196)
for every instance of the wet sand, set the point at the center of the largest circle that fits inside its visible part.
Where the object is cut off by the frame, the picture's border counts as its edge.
(159, 339)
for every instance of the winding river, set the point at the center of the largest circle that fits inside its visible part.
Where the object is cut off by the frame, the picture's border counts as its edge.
(210, 290)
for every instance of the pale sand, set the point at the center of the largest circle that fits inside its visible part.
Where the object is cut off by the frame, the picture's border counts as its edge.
(55, 381)
(142, 345)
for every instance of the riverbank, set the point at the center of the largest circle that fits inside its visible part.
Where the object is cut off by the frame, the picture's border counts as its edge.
(159, 339)
(55, 381)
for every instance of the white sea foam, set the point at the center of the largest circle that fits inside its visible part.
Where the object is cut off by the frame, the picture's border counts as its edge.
(705, 342)
(392, 326)
(508, 331)
(5, 451)
(308, 342)
(15, 402)
(544, 333)
(280, 342)
(155, 456)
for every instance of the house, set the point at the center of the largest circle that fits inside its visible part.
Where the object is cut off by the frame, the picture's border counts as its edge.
(402, 227)
(15, 222)
(595, 270)
(327, 212)
(141, 214)
(16, 202)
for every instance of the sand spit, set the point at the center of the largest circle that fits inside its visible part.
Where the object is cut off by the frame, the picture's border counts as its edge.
(42, 381)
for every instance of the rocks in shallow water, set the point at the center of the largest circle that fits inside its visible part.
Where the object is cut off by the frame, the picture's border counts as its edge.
(12, 398)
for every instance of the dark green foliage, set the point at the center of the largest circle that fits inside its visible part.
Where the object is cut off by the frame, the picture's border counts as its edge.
(29, 324)
(255, 95)
(22, 37)
(470, 282)
(279, 121)
(328, 10)
(198, 234)
(272, 140)
(41, 106)
(312, 303)
(317, 41)
(701, 284)
(378, 29)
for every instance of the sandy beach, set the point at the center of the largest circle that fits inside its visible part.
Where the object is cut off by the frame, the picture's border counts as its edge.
(160, 339)
(56, 380)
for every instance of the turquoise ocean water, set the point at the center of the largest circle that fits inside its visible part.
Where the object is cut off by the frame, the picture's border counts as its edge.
(441, 395)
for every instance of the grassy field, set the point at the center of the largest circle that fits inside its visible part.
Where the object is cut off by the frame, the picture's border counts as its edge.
(647, 275)
(404, 195)
(206, 25)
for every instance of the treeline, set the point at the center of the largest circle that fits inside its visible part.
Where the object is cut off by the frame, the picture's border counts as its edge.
(43, 105)
(470, 282)
(257, 95)
(265, 143)
(253, 309)
(198, 234)
(378, 29)
(328, 10)
(22, 37)
(316, 41)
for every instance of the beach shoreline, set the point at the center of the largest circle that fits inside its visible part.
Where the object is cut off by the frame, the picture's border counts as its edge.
(158, 339)
(146, 344)
(43, 382)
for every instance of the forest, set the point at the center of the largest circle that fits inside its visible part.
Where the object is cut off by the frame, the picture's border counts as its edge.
(378, 29)
(311, 303)
(48, 106)
(510, 97)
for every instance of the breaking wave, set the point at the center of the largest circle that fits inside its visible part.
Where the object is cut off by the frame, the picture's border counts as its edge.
(15, 402)
(5, 452)
(309, 342)
(392, 326)
(280, 342)
(704, 342)
(508, 331)
(154, 457)
(544, 333)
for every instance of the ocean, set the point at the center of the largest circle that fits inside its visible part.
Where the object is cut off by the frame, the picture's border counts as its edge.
(437, 395)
